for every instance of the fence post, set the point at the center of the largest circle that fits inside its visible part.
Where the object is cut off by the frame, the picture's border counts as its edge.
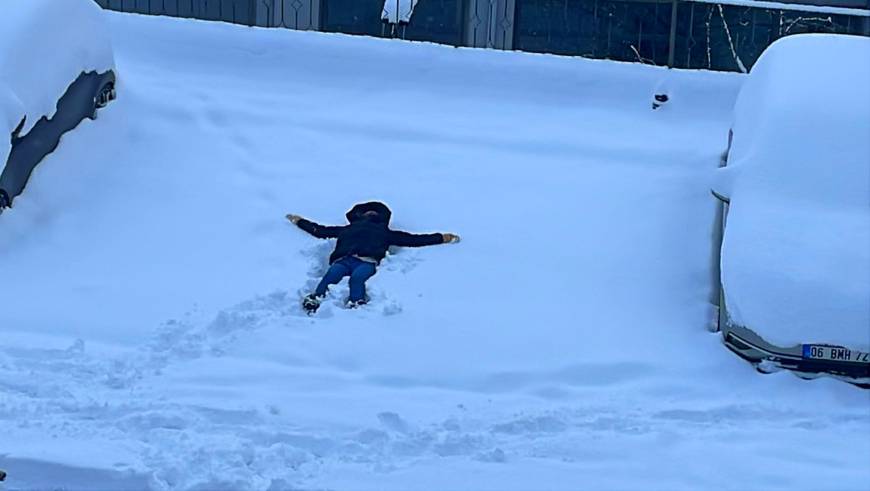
(672, 41)
(252, 13)
(510, 30)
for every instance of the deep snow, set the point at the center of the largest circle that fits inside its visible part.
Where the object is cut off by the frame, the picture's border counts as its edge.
(152, 333)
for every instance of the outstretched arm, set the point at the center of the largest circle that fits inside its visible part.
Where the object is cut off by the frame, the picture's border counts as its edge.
(316, 229)
(404, 239)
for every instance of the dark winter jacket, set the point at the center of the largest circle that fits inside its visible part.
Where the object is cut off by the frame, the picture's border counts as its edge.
(367, 236)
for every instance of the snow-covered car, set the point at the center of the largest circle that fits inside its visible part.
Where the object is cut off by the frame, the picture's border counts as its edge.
(56, 68)
(795, 188)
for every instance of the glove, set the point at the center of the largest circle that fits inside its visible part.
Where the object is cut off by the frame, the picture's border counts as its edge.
(450, 238)
(294, 218)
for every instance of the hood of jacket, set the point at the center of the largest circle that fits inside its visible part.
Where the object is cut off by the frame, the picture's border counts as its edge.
(383, 212)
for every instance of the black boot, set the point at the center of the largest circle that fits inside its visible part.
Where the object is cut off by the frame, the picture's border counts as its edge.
(352, 304)
(311, 303)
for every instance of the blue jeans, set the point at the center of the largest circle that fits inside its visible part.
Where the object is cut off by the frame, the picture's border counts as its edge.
(358, 270)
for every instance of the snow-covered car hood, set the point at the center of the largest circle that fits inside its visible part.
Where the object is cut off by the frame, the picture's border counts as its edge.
(45, 45)
(796, 250)
(803, 277)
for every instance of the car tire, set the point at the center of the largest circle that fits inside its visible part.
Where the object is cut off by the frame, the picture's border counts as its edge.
(806, 376)
(766, 367)
(102, 97)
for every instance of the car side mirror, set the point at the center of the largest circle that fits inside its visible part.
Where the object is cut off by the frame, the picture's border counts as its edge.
(723, 182)
(17, 130)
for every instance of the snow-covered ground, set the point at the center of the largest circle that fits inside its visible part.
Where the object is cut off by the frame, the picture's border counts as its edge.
(151, 329)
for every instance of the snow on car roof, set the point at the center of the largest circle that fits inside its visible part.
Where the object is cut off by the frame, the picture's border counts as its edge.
(805, 112)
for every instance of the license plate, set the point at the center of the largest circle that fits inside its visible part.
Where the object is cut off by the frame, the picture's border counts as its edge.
(834, 353)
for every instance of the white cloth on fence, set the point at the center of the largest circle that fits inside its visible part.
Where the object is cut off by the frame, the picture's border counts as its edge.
(396, 11)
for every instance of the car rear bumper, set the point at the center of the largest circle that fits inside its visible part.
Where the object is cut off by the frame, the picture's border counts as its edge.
(754, 349)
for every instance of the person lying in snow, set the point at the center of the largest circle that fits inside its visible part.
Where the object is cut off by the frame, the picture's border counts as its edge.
(361, 246)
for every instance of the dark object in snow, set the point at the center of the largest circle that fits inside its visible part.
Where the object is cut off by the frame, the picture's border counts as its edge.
(311, 303)
(361, 246)
(2, 476)
(89, 92)
(5, 202)
(368, 235)
(352, 304)
(375, 209)
(659, 100)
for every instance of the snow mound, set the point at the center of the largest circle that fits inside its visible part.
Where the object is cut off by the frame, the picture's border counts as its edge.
(45, 45)
(796, 252)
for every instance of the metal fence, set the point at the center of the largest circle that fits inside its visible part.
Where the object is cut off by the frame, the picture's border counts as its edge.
(236, 11)
(664, 32)
(676, 33)
(438, 21)
(730, 37)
